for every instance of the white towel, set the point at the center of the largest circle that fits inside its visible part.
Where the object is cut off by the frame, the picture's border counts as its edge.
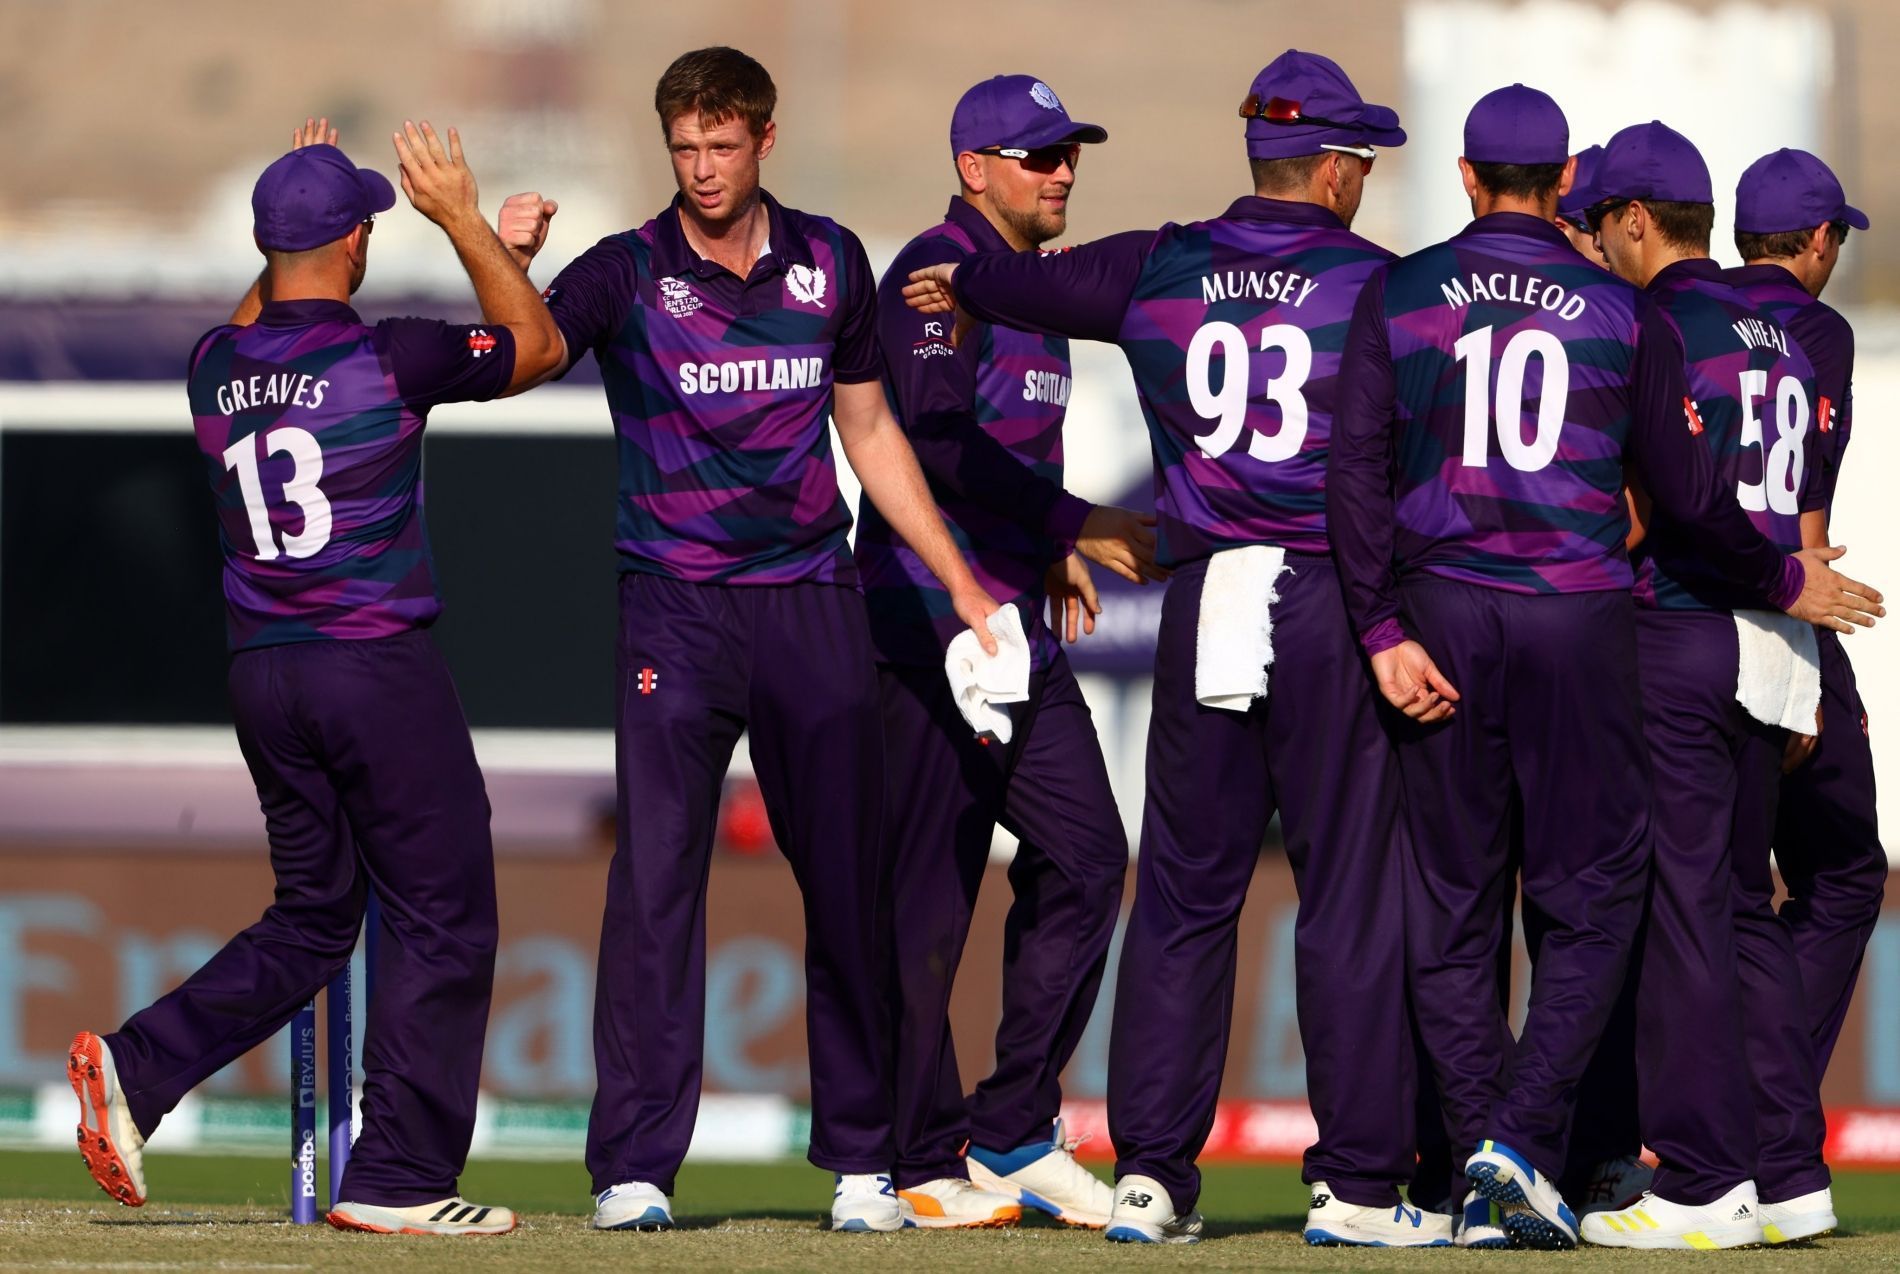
(980, 682)
(1779, 682)
(1233, 646)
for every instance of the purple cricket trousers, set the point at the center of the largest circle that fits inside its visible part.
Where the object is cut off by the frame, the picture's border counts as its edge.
(367, 780)
(1827, 844)
(792, 666)
(1549, 731)
(1318, 751)
(945, 791)
(1724, 1050)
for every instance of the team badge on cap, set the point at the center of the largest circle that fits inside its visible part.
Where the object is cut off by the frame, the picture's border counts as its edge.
(1044, 96)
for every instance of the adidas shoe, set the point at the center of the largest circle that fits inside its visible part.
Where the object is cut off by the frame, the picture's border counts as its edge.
(865, 1202)
(952, 1203)
(1535, 1215)
(1333, 1221)
(445, 1216)
(1481, 1224)
(109, 1141)
(1045, 1175)
(1807, 1216)
(1734, 1220)
(1145, 1214)
(1615, 1184)
(632, 1205)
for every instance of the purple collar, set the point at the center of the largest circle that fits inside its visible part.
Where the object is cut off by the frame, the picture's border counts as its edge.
(1780, 275)
(1297, 211)
(672, 255)
(970, 219)
(298, 313)
(1515, 223)
(1703, 268)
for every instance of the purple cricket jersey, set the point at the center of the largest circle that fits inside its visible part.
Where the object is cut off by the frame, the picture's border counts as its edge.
(1233, 328)
(311, 422)
(720, 393)
(1494, 388)
(985, 419)
(1752, 396)
(1829, 343)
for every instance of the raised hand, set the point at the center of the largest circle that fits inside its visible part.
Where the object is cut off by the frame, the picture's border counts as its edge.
(930, 289)
(313, 132)
(522, 225)
(435, 178)
(1123, 541)
(1832, 600)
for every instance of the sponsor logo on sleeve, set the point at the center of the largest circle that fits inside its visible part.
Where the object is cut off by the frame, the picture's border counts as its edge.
(480, 342)
(1691, 415)
(1825, 413)
(935, 343)
(806, 284)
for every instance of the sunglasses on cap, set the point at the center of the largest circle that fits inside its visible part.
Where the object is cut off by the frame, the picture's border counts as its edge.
(1042, 159)
(1286, 110)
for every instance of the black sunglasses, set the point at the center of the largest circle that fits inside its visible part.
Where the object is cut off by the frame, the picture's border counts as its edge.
(1602, 208)
(1042, 159)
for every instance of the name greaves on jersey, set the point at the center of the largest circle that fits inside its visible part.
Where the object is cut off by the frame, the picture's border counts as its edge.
(280, 389)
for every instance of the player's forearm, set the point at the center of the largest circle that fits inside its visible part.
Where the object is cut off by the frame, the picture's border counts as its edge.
(894, 483)
(507, 298)
(1361, 516)
(1081, 292)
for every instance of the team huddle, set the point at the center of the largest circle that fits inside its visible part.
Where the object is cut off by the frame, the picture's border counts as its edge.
(1463, 550)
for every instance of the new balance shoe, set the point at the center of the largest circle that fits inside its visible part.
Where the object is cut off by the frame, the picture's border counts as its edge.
(952, 1203)
(1046, 1176)
(865, 1202)
(1144, 1213)
(1615, 1184)
(1734, 1220)
(632, 1205)
(1332, 1221)
(1806, 1216)
(109, 1141)
(1535, 1215)
(444, 1216)
(1481, 1224)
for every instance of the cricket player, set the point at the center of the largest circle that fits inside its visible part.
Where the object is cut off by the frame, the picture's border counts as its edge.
(311, 424)
(1571, 218)
(729, 329)
(985, 419)
(1494, 387)
(1791, 220)
(1233, 328)
(1729, 1096)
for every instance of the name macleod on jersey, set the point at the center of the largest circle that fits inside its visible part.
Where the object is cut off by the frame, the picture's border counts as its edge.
(738, 375)
(1528, 291)
(285, 389)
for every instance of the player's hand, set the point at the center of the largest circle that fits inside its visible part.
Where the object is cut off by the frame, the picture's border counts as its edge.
(974, 606)
(1832, 600)
(1123, 541)
(1073, 602)
(930, 289)
(1800, 749)
(436, 179)
(314, 132)
(522, 225)
(1411, 682)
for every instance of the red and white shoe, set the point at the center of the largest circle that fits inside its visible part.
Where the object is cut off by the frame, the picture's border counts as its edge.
(109, 1141)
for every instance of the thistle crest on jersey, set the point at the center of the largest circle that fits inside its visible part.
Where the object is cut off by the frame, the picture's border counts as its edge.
(807, 284)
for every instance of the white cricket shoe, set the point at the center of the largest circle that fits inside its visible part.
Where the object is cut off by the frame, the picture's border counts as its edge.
(109, 1141)
(864, 1202)
(1734, 1220)
(1045, 1175)
(1331, 1220)
(632, 1205)
(445, 1216)
(1481, 1224)
(1615, 1184)
(1145, 1214)
(1535, 1215)
(952, 1203)
(1806, 1216)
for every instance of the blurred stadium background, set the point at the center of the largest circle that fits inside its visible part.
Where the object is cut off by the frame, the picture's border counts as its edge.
(130, 842)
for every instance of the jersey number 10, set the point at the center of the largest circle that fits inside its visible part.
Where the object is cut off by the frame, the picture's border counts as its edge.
(301, 446)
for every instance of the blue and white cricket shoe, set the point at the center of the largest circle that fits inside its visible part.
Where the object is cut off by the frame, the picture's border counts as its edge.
(1331, 1221)
(865, 1202)
(1045, 1175)
(1535, 1215)
(632, 1205)
(1144, 1213)
(1481, 1224)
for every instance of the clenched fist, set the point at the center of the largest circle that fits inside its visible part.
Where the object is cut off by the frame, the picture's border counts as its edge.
(522, 225)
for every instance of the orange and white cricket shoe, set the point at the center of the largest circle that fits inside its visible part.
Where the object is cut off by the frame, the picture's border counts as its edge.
(952, 1203)
(109, 1141)
(445, 1216)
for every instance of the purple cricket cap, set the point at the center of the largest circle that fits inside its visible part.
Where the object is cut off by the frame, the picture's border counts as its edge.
(1791, 190)
(1583, 190)
(313, 196)
(1015, 110)
(1653, 161)
(1301, 103)
(1517, 125)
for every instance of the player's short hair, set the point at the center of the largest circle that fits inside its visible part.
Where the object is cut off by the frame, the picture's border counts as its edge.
(1682, 225)
(1285, 174)
(721, 84)
(1518, 181)
(1783, 245)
